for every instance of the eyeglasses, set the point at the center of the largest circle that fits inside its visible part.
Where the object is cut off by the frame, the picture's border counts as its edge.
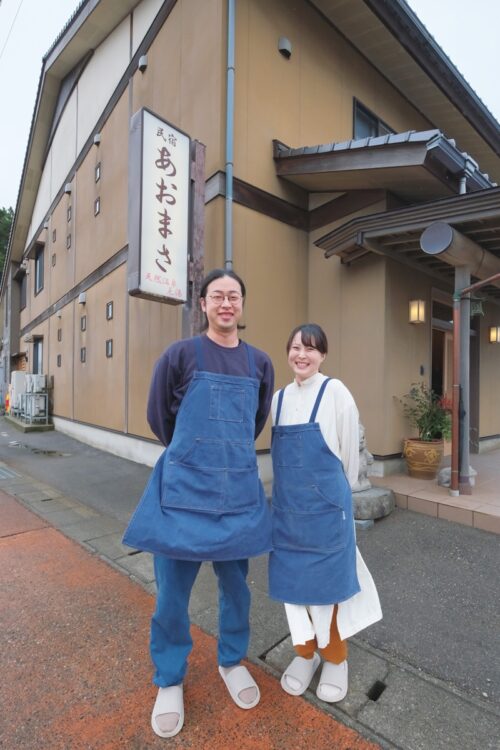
(232, 297)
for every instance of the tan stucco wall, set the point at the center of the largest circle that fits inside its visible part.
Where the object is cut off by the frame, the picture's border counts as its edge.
(408, 347)
(99, 237)
(184, 79)
(307, 99)
(61, 275)
(489, 375)
(62, 392)
(271, 257)
(99, 383)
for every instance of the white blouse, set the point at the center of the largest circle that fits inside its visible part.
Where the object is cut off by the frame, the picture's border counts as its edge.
(338, 420)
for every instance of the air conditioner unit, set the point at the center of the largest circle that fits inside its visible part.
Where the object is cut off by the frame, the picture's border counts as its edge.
(39, 383)
(17, 388)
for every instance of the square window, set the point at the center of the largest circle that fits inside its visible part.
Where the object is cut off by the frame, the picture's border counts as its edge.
(59, 360)
(83, 323)
(109, 348)
(83, 354)
(68, 241)
(68, 213)
(109, 310)
(59, 334)
(98, 172)
(97, 206)
(367, 124)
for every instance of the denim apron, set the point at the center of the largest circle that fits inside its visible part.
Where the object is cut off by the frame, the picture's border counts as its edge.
(204, 500)
(314, 547)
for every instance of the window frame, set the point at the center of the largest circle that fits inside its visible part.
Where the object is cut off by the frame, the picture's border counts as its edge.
(39, 268)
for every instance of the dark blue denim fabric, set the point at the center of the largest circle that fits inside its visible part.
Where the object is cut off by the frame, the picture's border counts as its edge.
(314, 547)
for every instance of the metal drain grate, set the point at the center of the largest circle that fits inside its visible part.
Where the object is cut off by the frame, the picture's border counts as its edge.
(376, 690)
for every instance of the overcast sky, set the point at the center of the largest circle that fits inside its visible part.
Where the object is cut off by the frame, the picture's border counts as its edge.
(467, 30)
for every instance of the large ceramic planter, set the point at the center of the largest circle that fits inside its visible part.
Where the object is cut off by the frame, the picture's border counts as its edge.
(423, 457)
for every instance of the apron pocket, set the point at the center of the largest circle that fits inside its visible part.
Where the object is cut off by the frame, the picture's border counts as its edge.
(287, 449)
(240, 454)
(204, 453)
(242, 490)
(191, 488)
(325, 531)
(333, 494)
(227, 403)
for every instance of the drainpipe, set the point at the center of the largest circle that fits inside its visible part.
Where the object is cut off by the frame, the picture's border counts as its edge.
(469, 168)
(228, 241)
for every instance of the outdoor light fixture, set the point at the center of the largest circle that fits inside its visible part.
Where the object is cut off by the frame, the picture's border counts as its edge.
(416, 312)
(143, 63)
(494, 334)
(97, 139)
(67, 188)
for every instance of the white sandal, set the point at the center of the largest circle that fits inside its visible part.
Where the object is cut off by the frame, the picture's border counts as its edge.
(333, 683)
(302, 670)
(237, 680)
(169, 702)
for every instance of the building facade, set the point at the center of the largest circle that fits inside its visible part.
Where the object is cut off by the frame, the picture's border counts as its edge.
(352, 134)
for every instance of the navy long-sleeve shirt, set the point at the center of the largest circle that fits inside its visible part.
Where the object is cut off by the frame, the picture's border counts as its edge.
(174, 370)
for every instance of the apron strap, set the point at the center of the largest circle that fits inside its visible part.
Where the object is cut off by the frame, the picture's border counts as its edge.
(199, 353)
(251, 361)
(312, 418)
(280, 404)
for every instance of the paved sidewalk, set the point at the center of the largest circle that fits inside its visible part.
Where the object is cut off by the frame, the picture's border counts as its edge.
(481, 509)
(75, 666)
(427, 677)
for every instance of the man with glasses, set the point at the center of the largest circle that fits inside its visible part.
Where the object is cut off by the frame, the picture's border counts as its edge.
(209, 399)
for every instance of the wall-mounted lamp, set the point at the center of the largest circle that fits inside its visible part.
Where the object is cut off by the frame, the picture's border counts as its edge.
(97, 139)
(143, 63)
(59, 314)
(46, 224)
(82, 298)
(285, 47)
(494, 334)
(416, 312)
(67, 188)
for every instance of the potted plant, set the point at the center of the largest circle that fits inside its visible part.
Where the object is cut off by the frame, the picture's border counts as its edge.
(430, 414)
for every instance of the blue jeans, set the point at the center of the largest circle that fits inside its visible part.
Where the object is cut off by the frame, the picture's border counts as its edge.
(171, 641)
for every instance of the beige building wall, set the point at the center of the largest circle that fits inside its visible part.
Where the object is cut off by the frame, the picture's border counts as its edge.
(307, 99)
(40, 331)
(183, 82)
(143, 16)
(43, 200)
(62, 344)
(408, 348)
(99, 382)
(100, 78)
(64, 148)
(489, 380)
(60, 257)
(98, 237)
(271, 257)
